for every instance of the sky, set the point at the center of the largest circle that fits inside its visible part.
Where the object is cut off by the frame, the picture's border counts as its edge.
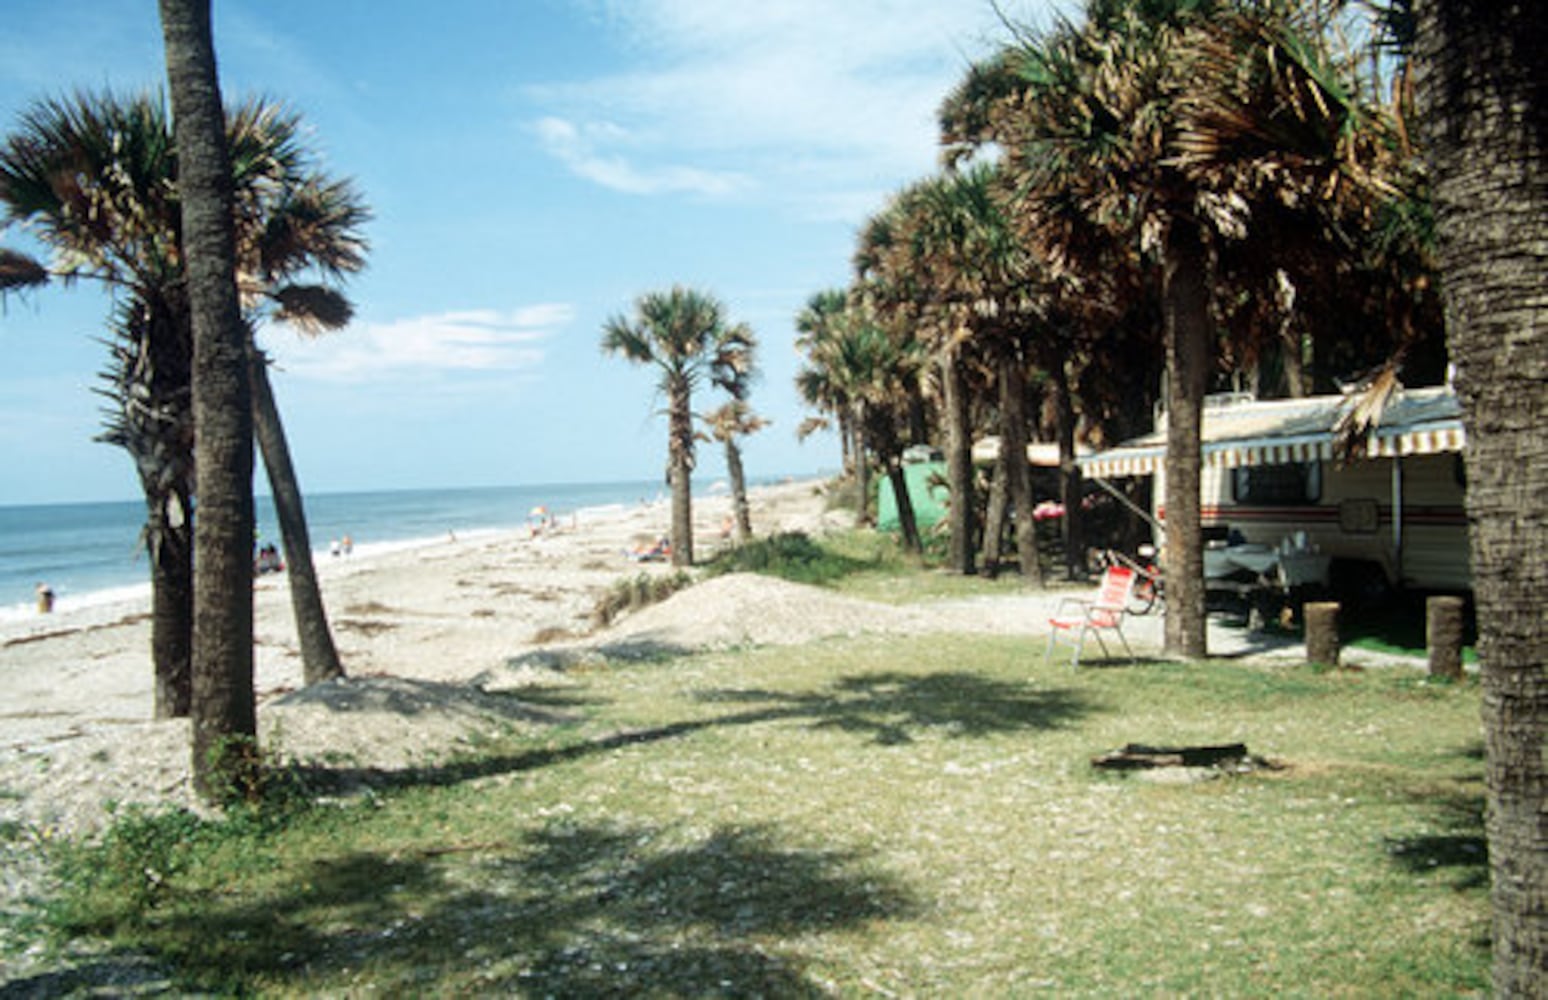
(533, 167)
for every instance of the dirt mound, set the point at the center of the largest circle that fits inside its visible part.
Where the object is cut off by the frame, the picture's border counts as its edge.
(744, 609)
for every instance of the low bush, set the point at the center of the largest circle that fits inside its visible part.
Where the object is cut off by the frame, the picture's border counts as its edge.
(635, 592)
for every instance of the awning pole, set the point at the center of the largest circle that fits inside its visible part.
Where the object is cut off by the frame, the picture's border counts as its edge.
(1397, 518)
(1109, 487)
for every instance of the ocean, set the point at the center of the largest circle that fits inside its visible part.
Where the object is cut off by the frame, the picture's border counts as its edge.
(90, 553)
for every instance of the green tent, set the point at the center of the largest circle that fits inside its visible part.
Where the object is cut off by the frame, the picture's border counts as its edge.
(929, 501)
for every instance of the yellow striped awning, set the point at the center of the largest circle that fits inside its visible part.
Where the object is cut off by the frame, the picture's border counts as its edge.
(1275, 432)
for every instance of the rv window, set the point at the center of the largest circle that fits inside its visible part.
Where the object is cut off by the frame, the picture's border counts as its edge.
(1278, 485)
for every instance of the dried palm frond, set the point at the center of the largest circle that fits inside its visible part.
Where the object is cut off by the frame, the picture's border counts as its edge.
(1369, 397)
(313, 308)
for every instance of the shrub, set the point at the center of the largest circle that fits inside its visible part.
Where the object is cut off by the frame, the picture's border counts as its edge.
(790, 555)
(633, 593)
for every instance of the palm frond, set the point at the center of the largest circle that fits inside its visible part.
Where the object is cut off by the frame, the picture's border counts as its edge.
(312, 309)
(18, 271)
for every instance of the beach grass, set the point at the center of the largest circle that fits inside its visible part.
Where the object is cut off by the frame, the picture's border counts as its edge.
(887, 816)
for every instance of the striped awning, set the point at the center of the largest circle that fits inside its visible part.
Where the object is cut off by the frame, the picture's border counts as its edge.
(1419, 422)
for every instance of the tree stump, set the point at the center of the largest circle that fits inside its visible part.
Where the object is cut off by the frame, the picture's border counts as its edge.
(1443, 636)
(1322, 632)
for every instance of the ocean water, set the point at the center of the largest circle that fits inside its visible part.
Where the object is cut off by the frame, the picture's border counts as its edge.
(90, 553)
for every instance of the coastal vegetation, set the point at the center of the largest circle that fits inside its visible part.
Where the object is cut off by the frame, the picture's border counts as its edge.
(685, 335)
(860, 814)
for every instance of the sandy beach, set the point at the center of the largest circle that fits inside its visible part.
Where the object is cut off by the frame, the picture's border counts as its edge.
(426, 635)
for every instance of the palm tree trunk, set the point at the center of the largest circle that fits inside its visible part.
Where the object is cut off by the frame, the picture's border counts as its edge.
(1071, 485)
(680, 419)
(224, 716)
(171, 559)
(1185, 302)
(862, 468)
(959, 466)
(738, 491)
(319, 656)
(1018, 473)
(1481, 91)
(846, 441)
(918, 415)
(908, 525)
(994, 518)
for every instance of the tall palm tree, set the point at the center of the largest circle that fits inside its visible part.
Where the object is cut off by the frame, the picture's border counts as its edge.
(224, 713)
(1487, 138)
(727, 424)
(684, 334)
(95, 178)
(906, 261)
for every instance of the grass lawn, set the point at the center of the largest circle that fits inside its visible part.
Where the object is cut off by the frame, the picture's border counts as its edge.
(860, 817)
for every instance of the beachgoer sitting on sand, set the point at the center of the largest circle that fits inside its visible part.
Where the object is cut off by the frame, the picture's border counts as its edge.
(647, 551)
(268, 561)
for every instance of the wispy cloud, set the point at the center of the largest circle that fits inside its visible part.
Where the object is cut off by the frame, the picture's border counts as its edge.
(811, 100)
(580, 147)
(420, 346)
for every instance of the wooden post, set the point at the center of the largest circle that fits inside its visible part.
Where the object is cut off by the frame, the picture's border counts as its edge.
(1322, 632)
(1443, 636)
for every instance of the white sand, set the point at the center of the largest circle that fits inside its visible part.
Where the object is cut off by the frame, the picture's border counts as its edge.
(418, 631)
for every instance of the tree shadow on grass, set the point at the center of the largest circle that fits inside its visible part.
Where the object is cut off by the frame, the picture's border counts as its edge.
(1462, 846)
(574, 910)
(890, 708)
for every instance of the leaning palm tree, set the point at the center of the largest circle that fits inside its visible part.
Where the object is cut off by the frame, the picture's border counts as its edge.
(684, 334)
(727, 424)
(94, 177)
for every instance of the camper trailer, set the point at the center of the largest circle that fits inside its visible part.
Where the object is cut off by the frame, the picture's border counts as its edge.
(1275, 495)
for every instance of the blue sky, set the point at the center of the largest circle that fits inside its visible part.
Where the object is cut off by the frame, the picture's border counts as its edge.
(533, 167)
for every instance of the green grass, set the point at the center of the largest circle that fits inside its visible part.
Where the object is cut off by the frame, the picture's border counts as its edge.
(916, 817)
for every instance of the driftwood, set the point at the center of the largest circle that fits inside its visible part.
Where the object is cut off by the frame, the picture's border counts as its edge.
(1136, 756)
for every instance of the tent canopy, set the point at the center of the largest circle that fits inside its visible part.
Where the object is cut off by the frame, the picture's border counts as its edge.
(1271, 432)
(1042, 454)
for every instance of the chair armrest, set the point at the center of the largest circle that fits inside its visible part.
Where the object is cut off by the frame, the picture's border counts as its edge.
(1083, 603)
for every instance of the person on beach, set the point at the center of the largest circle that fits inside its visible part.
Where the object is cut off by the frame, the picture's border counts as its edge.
(45, 599)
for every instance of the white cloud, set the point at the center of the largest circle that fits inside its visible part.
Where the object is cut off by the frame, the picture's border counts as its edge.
(802, 97)
(421, 346)
(578, 147)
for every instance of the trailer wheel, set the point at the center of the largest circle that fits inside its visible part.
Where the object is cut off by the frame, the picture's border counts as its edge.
(1360, 584)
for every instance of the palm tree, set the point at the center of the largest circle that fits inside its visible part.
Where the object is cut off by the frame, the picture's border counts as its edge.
(906, 262)
(116, 220)
(868, 370)
(1482, 96)
(224, 714)
(684, 333)
(727, 424)
(816, 327)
